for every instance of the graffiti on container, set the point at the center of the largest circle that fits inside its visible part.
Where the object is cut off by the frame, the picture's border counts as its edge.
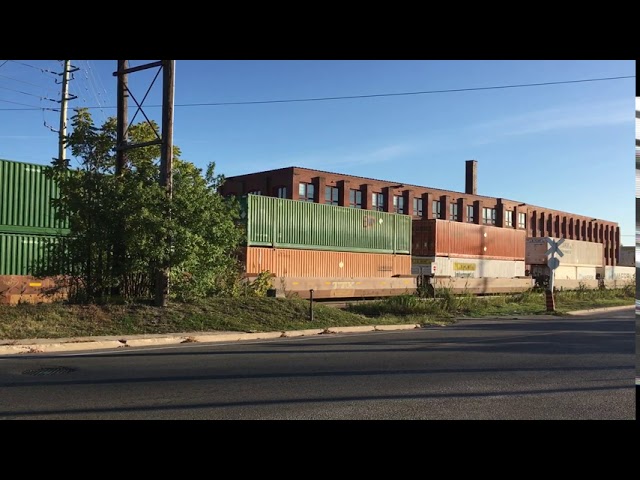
(467, 267)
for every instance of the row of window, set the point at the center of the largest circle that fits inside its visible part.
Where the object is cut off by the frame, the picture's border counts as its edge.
(306, 193)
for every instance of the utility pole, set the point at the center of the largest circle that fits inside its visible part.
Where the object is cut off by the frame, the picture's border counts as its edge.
(64, 99)
(166, 147)
(166, 169)
(122, 116)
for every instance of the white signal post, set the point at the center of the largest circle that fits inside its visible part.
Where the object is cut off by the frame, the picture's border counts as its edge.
(553, 262)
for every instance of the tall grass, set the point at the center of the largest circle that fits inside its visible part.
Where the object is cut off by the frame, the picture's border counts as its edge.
(447, 304)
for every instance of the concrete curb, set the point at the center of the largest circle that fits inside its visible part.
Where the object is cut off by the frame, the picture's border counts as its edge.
(59, 347)
(234, 337)
(365, 328)
(302, 333)
(601, 310)
(381, 328)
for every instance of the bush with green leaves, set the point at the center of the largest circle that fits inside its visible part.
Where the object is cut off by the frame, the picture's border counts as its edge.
(120, 224)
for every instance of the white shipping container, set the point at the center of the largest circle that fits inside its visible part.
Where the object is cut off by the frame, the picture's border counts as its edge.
(575, 252)
(571, 272)
(616, 273)
(468, 267)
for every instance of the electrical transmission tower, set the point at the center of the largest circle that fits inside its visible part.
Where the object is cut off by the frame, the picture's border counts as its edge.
(165, 140)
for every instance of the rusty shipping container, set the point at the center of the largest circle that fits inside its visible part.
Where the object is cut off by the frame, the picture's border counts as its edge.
(289, 262)
(443, 238)
(575, 252)
(16, 289)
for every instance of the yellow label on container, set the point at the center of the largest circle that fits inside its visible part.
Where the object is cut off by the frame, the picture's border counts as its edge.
(35, 284)
(421, 261)
(467, 267)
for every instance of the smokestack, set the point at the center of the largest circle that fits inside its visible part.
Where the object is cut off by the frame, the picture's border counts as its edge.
(471, 177)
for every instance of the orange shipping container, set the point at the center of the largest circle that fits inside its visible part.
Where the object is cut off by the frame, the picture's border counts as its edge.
(286, 262)
(444, 238)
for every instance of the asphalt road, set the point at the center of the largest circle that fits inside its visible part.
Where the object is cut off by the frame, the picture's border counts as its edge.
(564, 368)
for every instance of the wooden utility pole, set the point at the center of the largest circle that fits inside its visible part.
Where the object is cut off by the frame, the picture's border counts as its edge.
(165, 141)
(166, 169)
(122, 115)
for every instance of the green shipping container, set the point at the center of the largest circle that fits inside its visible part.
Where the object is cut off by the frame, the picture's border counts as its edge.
(279, 222)
(25, 200)
(19, 254)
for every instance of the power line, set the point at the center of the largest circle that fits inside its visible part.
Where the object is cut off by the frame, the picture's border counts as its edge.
(27, 93)
(21, 81)
(37, 68)
(425, 92)
(351, 97)
(4, 63)
(33, 107)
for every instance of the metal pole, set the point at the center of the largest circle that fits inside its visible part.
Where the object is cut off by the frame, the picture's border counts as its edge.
(63, 111)
(122, 116)
(311, 305)
(551, 304)
(166, 168)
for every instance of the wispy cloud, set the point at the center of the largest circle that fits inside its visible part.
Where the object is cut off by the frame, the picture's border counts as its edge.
(385, 154)
(327, 160)
(554, 119)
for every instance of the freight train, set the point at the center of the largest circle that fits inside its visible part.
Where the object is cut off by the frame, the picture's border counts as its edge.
(334, 251)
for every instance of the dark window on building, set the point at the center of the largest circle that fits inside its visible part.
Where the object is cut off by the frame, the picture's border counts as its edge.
(541, 223)
(522, 220)
(355, 198)
(470, 217)
(255, 192)
(398, 204)
(305, 192)
(281, 192)
(436, 209)
(508, 218)
(489, 216)
(331, 195)
(377, 202)
(453, 211)
(417, 207)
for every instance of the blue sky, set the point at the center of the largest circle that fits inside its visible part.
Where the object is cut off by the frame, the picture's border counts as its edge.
(568, 147)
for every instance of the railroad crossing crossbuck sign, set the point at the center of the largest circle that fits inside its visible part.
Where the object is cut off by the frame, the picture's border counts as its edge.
(554, 247)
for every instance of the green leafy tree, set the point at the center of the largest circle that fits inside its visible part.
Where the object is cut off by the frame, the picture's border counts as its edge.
(119, 224)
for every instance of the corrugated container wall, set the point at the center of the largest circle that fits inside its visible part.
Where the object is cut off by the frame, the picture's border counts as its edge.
(468, 267)
(25, 199)
(575, 252)
(285, 262)
(443, 238)
(19, 254)
(279, 222)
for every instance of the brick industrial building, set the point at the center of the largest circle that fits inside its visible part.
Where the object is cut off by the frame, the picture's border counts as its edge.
(317, 186)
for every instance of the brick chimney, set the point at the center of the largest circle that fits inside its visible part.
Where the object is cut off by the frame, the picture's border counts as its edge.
(471, 177)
